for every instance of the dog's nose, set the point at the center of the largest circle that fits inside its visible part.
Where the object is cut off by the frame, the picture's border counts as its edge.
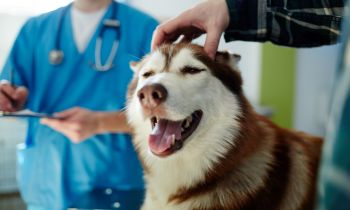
(151, 96)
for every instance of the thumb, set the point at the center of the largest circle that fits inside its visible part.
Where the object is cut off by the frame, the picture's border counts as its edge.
(67, 113)
(21, 94)
(212, 42)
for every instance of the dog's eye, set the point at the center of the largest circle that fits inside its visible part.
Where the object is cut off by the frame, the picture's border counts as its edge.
(147, 74)
(191, 70)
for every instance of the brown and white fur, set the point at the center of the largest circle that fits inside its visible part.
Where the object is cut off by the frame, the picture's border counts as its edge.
(235, 159)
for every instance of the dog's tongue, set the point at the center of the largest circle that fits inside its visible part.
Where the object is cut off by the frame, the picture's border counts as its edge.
(162, 135)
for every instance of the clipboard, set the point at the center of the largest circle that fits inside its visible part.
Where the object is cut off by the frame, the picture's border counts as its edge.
(26, 114)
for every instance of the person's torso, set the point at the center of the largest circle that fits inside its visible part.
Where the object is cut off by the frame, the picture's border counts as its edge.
(54, 169)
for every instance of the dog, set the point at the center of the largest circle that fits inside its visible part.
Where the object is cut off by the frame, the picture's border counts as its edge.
(201, 144)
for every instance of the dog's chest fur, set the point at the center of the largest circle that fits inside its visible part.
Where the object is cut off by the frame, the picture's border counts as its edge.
(235, 159)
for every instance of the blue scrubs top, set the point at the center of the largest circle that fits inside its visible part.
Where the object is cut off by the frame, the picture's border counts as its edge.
(52, 171)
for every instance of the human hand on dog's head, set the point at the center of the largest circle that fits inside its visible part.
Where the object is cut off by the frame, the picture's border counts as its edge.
(210, 17)
(12, 98)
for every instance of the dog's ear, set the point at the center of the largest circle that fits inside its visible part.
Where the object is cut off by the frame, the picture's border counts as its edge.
(134, 66)
(137, 65)
(228, 58)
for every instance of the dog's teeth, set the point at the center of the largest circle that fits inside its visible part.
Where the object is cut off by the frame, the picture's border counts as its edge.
(173, 139)
(182, 129)
(189, 119)
(187, 123)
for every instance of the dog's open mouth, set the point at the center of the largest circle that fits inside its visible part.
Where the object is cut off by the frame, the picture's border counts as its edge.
(168, 136)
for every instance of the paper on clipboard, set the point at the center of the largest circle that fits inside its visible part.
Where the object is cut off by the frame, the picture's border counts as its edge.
(26, 113)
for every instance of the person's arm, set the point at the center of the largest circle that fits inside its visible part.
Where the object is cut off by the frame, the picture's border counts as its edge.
(296, 23)
(79, 124)
(113, 122)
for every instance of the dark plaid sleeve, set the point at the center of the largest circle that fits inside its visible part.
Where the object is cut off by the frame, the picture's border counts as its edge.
(297, 23)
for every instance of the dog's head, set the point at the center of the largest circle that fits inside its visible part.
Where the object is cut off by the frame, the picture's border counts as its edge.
(181, 100)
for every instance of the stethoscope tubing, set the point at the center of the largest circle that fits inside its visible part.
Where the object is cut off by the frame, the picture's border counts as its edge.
(56, 55)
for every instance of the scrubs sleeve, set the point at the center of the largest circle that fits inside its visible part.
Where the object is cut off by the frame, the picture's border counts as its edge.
(148, 29)
(21, 57)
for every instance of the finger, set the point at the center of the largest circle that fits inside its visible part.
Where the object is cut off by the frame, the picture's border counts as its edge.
(5, 103)
(20, 92)
(76, 136)
(212, 42)
(51, 122)
(169, 28)
(62, 125)
(157, 38)
(20, 96)
(59, 125)
(67, 113)
(8, 89)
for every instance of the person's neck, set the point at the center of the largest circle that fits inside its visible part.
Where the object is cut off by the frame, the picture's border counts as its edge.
(91, 5)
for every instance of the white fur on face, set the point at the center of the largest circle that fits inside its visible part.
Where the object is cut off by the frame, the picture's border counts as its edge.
(186, 94)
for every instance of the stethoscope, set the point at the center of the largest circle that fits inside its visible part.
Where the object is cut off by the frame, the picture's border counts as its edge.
(56, 55)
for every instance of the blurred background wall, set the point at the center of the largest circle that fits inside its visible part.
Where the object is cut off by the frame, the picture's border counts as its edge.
(292, 83)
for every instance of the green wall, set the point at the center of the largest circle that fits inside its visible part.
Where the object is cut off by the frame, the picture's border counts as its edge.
(277, 82)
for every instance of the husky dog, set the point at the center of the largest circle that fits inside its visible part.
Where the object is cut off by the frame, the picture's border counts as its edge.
(202, 145)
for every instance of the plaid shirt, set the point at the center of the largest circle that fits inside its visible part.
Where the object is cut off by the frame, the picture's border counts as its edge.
(307, 23)
(297, 23)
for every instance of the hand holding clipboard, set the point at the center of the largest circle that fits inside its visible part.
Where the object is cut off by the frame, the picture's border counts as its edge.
(12, 98)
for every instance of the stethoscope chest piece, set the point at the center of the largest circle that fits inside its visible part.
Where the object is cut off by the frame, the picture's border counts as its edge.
(56, 57)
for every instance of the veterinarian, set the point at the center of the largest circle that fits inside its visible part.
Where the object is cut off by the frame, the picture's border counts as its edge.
(76, 56)
(294, 23)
